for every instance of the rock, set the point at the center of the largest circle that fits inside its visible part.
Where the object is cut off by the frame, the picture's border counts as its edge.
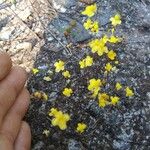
(22, 10)
(3, 22)
(148, 96)
(76, 33)
(25, 46)
(124, 126)
(74, 145)
(38, 146)
(6, 32)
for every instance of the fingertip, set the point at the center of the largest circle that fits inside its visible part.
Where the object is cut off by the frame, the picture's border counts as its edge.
(5, 64)
(23, 141)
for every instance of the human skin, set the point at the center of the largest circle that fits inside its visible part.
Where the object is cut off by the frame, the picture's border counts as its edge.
(14, 101)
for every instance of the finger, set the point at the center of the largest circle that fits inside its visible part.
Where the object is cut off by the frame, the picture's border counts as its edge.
(12, 122)
(10, 88)
(23, 141)
(5, 65)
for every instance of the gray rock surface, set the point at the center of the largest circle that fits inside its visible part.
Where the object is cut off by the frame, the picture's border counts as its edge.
(124, 127)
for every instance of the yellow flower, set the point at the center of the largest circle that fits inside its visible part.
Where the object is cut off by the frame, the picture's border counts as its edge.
(88, 24)
(116, 20)
(37, 94)
(114, 39)
(111, 55)
(95, 93)
(40, 95)
(103, 99)
(45, 96)
(81, 127)
(94, 86)
(60, 119)
(118, 86)
(114, 100)
(105, 39)
(66, 74)
(88, 61)
(59, 66)
(95, 27)
(53, 112)
(129, 92)
(67, 92)
(82, 64)
(90, 10)
(35, 70)
(98, 46)
(108, 67)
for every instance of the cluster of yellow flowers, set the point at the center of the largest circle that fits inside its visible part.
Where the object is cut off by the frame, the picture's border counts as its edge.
(98, 46)
(104, 99)
(60, 66)
(60, 119)
(90, 25)
(90, 11)
(87, 62)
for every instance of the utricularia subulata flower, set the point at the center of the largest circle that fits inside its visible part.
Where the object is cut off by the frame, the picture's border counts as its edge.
(60, 119)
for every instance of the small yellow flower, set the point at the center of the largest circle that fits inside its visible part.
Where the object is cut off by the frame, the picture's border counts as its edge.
(82, 64)
(116, 20)
(45, 96)
(105, 39)
(103, 99)
(108, 67)
(67, 92)
(114, 100)
(129, 92)
(90, 10)
(114, 39)
(35, 71)
(88, 61)
(37, 94)
(95, 27)
(59, 66)
(94, 86)
(66, 74)
(60, 119)
(40, 95)
(81, 127)
(111, 55)
(98, 46)
(88, 24)
(118, 86)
